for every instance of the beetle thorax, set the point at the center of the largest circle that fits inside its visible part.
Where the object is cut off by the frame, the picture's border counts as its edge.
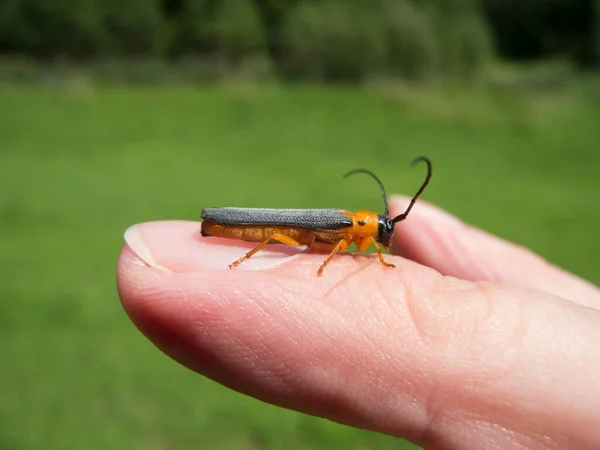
(365, 224)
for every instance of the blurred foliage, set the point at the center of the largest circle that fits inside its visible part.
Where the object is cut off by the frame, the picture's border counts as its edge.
(229, 29)
(69, 29)
(596, 45)
(412, 50)
(333, 39)
(307, 39)
(537, 29)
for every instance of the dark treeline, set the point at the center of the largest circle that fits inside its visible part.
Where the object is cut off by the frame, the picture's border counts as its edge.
(318, 39)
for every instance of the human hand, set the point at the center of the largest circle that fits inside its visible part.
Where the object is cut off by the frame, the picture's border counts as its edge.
(488, 347)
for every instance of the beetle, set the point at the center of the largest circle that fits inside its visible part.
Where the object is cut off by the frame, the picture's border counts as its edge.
(330, 230)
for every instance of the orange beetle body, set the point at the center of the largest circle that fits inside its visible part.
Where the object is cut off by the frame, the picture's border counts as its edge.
(330, 230)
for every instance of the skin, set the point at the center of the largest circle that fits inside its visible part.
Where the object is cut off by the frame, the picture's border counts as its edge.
(470, 342)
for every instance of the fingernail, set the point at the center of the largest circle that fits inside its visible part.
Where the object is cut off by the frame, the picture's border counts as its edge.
(135, 240)
(177, 246)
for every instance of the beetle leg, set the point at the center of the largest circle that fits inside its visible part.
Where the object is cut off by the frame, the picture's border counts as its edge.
(277, 237)
(331, 255)
(380, 253)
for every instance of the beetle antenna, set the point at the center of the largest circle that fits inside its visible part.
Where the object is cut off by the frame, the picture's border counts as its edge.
(419, 192)
(368, 172)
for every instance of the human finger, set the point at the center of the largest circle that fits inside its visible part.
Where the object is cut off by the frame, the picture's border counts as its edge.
(443, 362)
(437, 239)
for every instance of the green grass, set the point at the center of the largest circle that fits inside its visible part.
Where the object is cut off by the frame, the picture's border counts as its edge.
(77, 166)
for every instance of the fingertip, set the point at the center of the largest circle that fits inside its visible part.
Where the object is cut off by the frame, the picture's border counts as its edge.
(164, 264)
(178, 246)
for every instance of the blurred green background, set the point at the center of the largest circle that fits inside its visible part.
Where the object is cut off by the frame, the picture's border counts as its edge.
(122, 112)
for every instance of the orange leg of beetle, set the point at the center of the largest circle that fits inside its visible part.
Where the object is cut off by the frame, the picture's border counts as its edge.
(276, 237)
(336, 249)
(380, 253)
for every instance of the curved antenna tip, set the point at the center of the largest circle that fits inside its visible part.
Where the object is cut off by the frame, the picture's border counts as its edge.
(418, 159)
(426, 160)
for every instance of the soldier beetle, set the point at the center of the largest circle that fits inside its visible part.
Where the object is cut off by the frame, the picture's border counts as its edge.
(330, 230)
